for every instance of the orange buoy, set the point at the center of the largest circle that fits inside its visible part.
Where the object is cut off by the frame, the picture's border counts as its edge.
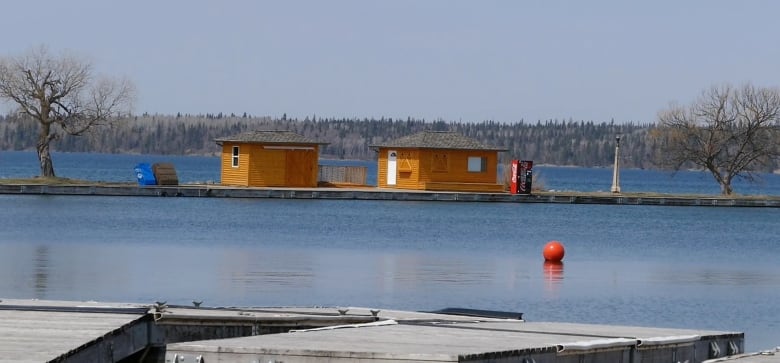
(553, 251)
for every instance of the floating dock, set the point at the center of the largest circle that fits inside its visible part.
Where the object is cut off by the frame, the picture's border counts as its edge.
(373, 193)
(438, 338)
(53, 331)
(767, 356)
(61, 331)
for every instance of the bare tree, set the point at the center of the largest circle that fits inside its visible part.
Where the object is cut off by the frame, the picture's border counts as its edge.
(62, 95)
(731, 132)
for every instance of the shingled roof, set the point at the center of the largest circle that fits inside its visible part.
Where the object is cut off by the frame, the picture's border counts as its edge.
(270, 137)
(437, 140)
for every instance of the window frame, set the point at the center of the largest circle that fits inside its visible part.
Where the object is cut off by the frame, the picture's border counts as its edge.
(234, 158)
(471, 165)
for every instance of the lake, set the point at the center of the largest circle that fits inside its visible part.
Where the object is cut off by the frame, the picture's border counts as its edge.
(684, 267)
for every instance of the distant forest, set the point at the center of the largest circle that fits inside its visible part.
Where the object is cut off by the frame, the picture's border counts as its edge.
(554, 142)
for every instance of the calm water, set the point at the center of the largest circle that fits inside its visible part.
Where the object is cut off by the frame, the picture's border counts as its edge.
(686, 267)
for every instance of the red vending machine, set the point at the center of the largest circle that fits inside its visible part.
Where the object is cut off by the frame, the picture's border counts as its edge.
(522, 176)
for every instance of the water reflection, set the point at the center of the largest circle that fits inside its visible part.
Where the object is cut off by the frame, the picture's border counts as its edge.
(553, 275)
(415, 271)
(270, 270)
(41, 268)
(337, 277)
(717, 277)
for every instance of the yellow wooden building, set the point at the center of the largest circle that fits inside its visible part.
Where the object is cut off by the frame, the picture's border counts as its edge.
(269, 159)
(438, 160)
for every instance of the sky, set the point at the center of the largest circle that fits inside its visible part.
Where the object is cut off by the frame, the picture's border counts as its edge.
(469, 61)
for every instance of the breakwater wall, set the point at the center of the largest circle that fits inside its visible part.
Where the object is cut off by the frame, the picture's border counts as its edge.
(370, 193)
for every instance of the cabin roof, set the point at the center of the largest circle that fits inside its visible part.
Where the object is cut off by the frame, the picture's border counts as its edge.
(270, 137)
(437, 140)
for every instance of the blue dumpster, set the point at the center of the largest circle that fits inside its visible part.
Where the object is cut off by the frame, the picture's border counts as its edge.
(144, 174)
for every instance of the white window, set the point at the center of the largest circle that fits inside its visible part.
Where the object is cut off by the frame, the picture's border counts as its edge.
(477, 164)
(235, 156)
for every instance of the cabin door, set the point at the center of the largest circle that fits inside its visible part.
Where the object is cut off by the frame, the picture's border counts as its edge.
(392, 166)
(299, 168)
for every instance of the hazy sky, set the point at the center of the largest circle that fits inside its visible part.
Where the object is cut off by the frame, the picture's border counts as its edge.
(456, 60)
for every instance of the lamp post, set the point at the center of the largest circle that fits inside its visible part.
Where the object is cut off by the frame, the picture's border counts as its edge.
(616, 169)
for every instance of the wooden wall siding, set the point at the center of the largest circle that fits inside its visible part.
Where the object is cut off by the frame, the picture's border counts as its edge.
(301, 168)
(408, 169)
(457, 168)
(381, 178)
(408, 166)
(230, 175)
(267, 167)
(436, 166)
(261, 167)
(381, 168)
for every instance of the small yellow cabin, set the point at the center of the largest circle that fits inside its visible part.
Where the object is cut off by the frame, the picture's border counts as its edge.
(438, 160)
(269, 159)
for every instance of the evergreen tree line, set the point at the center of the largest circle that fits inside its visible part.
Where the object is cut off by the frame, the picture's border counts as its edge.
(576, 143)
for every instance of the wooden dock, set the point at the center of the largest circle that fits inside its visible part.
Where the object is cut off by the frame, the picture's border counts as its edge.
(373, 193)
(62, 331)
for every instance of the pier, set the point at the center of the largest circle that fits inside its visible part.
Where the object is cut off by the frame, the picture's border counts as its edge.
(63, 331)
(373, 193)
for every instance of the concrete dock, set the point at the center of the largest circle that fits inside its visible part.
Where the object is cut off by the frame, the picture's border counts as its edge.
(62, 331)
(373, 193)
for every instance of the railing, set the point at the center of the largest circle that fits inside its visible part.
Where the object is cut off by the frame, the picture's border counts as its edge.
(342, 174)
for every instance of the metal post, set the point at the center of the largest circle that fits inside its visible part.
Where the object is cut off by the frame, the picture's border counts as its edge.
(616, 169)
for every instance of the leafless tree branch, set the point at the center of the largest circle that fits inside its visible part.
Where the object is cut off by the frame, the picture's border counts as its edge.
(61, 94)
(731, 132)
